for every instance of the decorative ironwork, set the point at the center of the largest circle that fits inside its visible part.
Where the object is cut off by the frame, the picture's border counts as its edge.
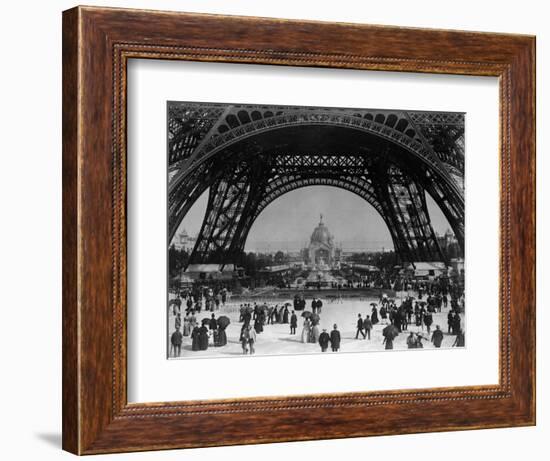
(248, 156)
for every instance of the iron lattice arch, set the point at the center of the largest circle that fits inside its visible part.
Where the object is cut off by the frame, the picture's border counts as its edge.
(247, 156)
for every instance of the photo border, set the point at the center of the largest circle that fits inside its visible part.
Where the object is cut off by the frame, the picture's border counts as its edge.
(97, 43)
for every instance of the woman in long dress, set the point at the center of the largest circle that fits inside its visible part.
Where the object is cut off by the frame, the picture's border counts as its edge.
(306, 331)
(195, 337)
(374, 315)
(186, 326)
(222, 337)
(193, 320)
(203, 338)
(315, 333)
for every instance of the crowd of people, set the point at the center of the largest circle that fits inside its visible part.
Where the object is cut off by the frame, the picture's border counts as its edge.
(201, 297)
(255, 317)
(411, 312)
(201, 333)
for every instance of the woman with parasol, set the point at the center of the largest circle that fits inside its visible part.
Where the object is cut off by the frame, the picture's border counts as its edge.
(223, 322)
(315, 329)
(176, 305)
(389, 333)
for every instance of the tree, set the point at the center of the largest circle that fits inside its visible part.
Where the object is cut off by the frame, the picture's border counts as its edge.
(177, 260)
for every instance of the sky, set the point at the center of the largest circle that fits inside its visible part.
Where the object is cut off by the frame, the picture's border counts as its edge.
(287, 223)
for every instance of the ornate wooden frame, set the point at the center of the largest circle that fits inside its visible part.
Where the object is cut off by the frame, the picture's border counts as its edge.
(97, 43)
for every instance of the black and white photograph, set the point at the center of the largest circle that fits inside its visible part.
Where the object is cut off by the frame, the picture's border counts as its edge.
(311, 230)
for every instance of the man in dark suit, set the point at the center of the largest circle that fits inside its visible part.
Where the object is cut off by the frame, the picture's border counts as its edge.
(335, 339)
(367, 326)
(314, 305)
(324, 339)
(213, 324)
(293, 323)
(360, 327)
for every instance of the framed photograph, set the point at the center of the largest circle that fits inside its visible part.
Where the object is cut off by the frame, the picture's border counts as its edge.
(281, 230)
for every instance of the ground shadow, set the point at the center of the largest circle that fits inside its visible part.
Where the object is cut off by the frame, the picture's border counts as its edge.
(51, 438)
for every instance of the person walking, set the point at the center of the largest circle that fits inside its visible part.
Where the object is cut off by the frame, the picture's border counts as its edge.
(359, 327)
(251, 339)
(455, 327)
(258, 327)
(437, 337)
(388, 341)
(428, 320)
(411, 341)
(335, 339)
(367, 326)
(244, 338)
(450, 319)
(293, 323)
(324, 339)
(460, 340)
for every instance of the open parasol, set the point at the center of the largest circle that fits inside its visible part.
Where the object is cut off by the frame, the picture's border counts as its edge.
(205, 321)
(223, 321)
(390, 331)
(306, 314)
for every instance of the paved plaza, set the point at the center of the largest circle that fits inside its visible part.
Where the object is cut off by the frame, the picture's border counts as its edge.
(277, 340)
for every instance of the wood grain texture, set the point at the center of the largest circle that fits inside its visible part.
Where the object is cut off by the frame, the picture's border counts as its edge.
(97, 43)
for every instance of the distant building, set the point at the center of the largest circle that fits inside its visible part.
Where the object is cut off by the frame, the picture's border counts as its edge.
(447, 240)
(208, 272)
(457, 267)
(183, 241)
(280, 269)
(322, 250)
(425, 270)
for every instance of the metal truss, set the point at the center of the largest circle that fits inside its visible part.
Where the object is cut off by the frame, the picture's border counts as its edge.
(246, 167)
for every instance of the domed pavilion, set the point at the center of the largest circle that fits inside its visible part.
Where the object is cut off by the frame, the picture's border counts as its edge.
(322, 250)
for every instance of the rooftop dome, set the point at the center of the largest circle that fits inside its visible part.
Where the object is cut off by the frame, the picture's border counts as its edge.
(321, 234)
